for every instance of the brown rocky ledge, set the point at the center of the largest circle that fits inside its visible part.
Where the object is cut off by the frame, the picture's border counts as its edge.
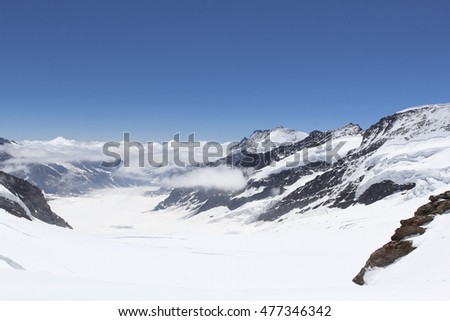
(398, 246)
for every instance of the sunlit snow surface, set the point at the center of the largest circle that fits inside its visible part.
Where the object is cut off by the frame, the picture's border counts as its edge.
(120, 250)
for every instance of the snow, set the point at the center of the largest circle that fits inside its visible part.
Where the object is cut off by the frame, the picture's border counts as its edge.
(423, 162)
(282, 135)
(422, 107)
(261, 141)
(120, 250)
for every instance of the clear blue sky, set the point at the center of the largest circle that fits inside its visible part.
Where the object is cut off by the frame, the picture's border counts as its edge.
(220, 68)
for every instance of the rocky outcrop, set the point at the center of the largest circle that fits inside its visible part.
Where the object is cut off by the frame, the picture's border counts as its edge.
(25, 200)
(378, 191)
(399, 246)
(439, 204)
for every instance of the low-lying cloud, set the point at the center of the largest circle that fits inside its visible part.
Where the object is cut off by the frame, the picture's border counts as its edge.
(221, 178)
(58, 150)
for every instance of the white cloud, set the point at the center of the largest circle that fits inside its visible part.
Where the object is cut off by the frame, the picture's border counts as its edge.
(221, 178)
(58, 150)
(61, 150)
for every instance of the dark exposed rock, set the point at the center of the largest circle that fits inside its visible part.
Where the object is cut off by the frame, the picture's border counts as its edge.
(197, 200)
(31, 197)
(425, 210)
(432, 208)
(398, 247)
(389, 253)
(381, 190)
(407, 231)
(13, 208)
(359, 278)
(347, 196)
(384, 256)
(276, 183)
(417, 220)
(444, 196)
(305, 195)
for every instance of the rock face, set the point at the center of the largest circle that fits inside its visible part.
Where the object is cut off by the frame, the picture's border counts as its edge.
(399, 246)
(20, 198)
(378, 191)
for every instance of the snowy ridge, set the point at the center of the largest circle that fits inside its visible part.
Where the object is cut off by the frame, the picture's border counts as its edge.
(422, 107)
(261, 141)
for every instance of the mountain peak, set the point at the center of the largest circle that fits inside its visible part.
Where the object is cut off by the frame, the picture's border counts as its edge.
(263, 140)
(348, 130)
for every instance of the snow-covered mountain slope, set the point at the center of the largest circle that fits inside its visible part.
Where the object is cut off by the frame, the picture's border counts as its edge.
(405, 152)
(20, 198)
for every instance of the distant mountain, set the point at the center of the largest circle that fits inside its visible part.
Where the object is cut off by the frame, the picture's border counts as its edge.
(407, 151)
(22, 199)
(68, 174)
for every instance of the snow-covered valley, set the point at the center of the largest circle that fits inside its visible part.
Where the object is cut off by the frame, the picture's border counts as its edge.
(118, 250)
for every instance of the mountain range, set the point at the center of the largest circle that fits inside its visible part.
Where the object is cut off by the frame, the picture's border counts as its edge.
(286, 171)
(401, 153)
(320, 202)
